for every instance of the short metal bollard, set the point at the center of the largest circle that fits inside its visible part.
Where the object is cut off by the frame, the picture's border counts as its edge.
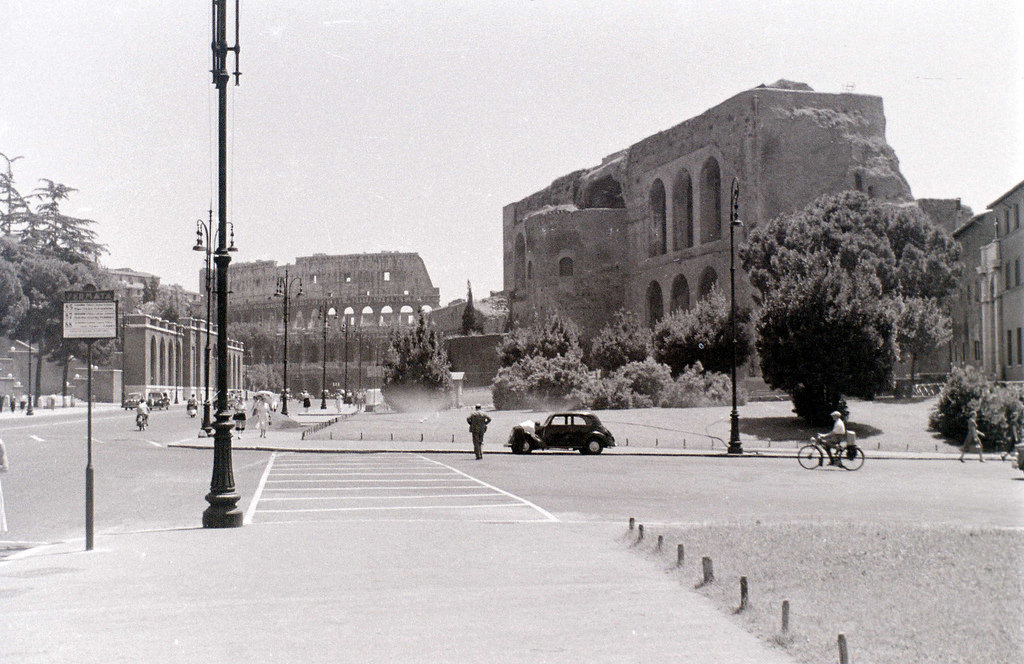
(785, 616)
(679, 555)
(844, 653)
(640, 533)
(661, 541)
(632, 523)
(744, 598)
(709, 569)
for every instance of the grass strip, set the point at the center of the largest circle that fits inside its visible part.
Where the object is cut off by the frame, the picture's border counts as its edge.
(899, 594)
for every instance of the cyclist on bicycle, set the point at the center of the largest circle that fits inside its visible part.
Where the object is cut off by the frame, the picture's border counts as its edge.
(835, 438)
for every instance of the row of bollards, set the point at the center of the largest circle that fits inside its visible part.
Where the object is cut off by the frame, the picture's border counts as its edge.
(708, 577)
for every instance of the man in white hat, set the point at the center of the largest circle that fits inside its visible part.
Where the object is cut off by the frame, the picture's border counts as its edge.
(836, 436)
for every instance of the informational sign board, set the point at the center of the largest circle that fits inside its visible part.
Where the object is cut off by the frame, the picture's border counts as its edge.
(90, 315)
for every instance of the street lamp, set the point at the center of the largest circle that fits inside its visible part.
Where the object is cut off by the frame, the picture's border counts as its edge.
(28, 410)
(735, 446)
(206, 234)
(283, 286)
(326, 313)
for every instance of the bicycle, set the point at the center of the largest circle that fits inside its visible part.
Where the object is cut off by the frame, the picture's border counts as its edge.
(846, 455)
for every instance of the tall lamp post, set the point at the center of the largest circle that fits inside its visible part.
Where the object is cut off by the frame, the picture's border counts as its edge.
(326, 313)
(735, 446)
(28, 409)
(223, 511)
(283, 286)
(206, 236)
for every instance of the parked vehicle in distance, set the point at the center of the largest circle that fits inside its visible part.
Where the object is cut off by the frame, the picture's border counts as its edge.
(570, 430)
(131, 401)
(159, 400)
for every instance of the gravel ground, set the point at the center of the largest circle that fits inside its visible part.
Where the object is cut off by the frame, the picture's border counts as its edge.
(899, 594)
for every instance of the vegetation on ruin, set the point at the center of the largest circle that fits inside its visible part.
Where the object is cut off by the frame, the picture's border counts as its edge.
(831, 281)
(625, 339)
(1000, 409)
(415, 367)
(472, 321)
(702, 334)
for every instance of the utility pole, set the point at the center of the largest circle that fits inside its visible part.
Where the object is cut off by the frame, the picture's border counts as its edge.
(223, 511)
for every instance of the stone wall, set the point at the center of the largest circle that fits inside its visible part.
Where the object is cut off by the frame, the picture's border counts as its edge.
(476, 355)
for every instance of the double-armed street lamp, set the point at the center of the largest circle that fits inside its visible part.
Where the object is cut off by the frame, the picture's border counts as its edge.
(283, 287)
(206, 235)
(326, 313)
(735, 446)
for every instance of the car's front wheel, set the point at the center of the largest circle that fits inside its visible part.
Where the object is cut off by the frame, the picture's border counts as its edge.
(592, 446)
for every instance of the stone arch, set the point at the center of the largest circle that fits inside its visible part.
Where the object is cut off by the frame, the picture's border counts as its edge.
(406, 315)
(366, 316)
(350, 316)
(710, 201)
(680, 294)
(659, 221)
(519, 273)
(655, 304)
(386, 315)
(708, 281)
(162, 376)
(565, 266)
(154, 359)
(426, 308)
(682, 210)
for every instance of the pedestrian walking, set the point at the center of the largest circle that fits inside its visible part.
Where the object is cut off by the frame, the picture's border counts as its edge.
(337, 401)
(239, 416)
(306, 402)
(4, 467)
(261, 415)
(478, 422)
(972, 438)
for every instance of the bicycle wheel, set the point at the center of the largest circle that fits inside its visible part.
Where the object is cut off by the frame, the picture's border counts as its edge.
(852, 458)
(809, 456)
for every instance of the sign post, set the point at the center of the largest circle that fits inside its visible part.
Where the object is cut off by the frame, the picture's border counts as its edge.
(89, 315)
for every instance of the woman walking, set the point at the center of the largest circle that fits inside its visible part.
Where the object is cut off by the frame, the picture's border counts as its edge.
(972, 438)
(261, 413)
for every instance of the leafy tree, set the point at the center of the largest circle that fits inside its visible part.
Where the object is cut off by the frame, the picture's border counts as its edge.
(262, 376)
(921, 327)
(150, 289)
(417, 358)
(968, 390)
(829, 279)
(553, 338)
(539, 382)
(471, 319)
(15, 205)
(625, 339)
(702, 334)
(50, 230)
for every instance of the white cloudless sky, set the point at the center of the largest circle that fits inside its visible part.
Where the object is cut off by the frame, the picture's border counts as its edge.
(406, 125)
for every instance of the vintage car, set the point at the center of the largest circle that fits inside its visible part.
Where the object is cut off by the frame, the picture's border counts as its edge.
(131, 401)
(158, 400)
(571, 430)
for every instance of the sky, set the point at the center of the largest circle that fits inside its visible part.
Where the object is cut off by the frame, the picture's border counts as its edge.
(408, 125)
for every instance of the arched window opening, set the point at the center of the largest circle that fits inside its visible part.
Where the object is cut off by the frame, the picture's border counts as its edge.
(386, 316)
(565, 267)
(367, 316)
(710, 201)
(682, 211)
(680, 294)
(659, 229)
(708, 281)
(407, 315)
(655, 304)
(154, 363)
(604, 193)
(350, 316)
(519, 269)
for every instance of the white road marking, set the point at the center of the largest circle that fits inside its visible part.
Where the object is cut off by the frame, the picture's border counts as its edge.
(37, 438)
(322, 481)
(247, 518)
(549, 515)
(154, 443)
(378, 474)
(400, 507)
(411, 497)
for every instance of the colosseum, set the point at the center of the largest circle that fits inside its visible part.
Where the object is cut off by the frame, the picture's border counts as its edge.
(370, 293)
(648, 229)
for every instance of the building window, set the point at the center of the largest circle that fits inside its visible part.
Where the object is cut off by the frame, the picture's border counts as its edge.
(659, 220)
(387, 276)
(655, 304)
(977, 351)
(565, 267)
(1009, 347)
(1020, 348)
(1016, 271)
(682, 211)
(710, 201)
(348, 277)
(1016, 216)
(529, 270)
(314, 278)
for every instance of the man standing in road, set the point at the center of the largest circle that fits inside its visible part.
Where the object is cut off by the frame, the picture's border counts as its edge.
(478, 422)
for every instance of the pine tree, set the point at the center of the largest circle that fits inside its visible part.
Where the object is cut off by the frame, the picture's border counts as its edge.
(471, 322)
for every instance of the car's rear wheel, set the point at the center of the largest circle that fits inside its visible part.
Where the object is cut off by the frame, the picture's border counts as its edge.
(592, 446)
(522, 446)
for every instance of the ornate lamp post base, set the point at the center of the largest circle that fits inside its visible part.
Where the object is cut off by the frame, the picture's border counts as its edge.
(735, 446)
(223, 511)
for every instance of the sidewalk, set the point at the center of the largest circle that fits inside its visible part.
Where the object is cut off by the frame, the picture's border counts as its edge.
(290, 440)
(436, 591)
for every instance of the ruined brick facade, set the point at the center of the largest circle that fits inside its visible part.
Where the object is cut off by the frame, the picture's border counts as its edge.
(648, 229)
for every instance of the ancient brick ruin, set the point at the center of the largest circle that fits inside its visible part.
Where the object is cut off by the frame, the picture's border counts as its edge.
(648, 229)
